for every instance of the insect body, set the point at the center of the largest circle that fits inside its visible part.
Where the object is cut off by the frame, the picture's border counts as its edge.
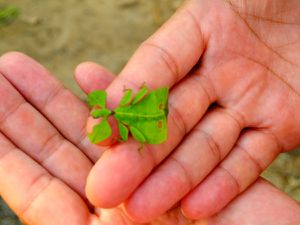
(143, 115)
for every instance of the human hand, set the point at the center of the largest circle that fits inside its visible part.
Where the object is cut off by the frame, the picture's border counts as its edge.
(260, 204)
(239, 60)
(44, 154)
(44, 185)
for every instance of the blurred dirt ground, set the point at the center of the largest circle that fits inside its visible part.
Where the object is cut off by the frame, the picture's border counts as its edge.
(61, 34)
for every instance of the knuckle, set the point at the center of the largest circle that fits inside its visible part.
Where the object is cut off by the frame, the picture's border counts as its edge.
(258, 168)
(177, 119)
(37, 187)
(185, 171)
(10, 111)
(212, 144)
(234, 179)
(51, 144)
(166, 57)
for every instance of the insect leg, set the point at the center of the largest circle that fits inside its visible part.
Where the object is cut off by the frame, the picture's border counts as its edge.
(127, 98)
(123, 131)
(140, 94)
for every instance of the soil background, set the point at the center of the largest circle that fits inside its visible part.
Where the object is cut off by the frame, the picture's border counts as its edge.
(61, 34)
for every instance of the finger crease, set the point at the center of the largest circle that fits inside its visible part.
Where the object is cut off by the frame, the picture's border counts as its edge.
(44, 179)
(259, 168)
(154, 162)
(51, 145)
(11, 110)
(168, 59)
(52, 95)
(236, 116)
(279, 147)
(200, 84)
(198, 28)
(238, 186)
(178, 120)
(185, 172)
(212, 144)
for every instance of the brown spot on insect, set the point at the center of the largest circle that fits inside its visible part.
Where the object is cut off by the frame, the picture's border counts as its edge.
(161, 106)
(97, 107)
(159, 124)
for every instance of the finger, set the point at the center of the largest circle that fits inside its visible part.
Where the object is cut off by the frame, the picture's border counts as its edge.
(207, 144)
(116, 216)
(32, 133)
(113, 216)
(121, 169)
(91, 76)
(36, 196)
(65, 111)
(254, 151)
(275, 207)
(157, 62)
(162, 66)
(261, 204)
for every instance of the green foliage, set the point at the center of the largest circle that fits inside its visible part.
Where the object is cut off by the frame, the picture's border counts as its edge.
(8, 14)
(144, 115)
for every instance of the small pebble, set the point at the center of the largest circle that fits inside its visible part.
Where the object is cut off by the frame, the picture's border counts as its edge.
(31, 20)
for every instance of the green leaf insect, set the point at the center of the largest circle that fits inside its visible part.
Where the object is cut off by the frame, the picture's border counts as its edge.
(143, 115)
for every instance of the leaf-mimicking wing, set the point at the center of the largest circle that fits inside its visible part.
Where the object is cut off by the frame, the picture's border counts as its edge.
(148, 116)
(97, 98)
(144, 115)
(140, 94)
(137, 134)
(123, 131)
(100, 132)
(96, 113)
(127, 98)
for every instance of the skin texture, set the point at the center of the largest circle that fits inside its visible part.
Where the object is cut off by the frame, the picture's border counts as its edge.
(49, 191)
(233, 70)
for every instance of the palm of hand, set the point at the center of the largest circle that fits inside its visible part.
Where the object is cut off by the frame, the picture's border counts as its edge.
(250, 70)
(42, 172)
(247, 70)
(253, 70)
